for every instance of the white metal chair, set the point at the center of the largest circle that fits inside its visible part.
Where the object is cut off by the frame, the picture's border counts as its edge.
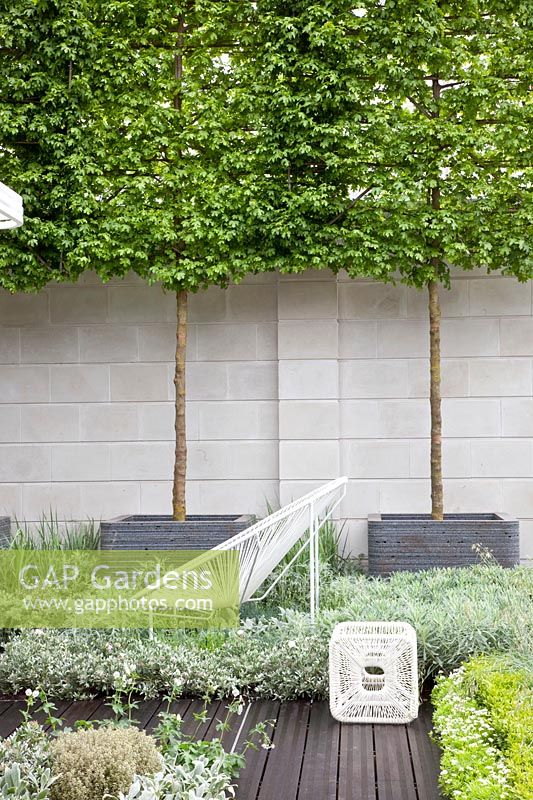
(264, 545)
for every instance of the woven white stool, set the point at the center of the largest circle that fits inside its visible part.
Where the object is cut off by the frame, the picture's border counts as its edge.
(373, 674)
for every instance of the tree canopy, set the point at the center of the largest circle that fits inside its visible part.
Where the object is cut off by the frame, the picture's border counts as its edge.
(168, 199)
(196, 140)
(116, 123)
(391, 139)
(46, 56)
(393, 135)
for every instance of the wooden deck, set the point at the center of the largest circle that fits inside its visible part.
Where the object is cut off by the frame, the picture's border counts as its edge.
(314, 758)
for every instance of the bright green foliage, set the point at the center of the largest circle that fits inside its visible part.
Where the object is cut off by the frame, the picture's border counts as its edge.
(393, 136)
(471, 765)
(47, 51)
(193, 141)
(483, 718)
(506, 690)
(301, 92)
(116, 124)
(165, 127)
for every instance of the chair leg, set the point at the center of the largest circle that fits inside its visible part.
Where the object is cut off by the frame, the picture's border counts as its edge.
(317, 572)
(312, 592)
(312, 564)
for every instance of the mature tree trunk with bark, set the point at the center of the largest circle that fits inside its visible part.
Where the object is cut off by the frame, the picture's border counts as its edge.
(437, 491)
(437, 494)
(180, 456)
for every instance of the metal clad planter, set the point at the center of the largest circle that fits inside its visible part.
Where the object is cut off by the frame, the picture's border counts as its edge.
(415, 541)
(5, 531)
(143, 532)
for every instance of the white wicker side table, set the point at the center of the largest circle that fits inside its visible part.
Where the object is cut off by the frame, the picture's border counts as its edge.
(373, 672)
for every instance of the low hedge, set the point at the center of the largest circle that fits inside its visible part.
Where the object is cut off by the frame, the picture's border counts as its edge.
(484, 723)
(457, 613)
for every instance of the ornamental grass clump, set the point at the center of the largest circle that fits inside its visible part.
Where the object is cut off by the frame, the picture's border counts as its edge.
(91, 764)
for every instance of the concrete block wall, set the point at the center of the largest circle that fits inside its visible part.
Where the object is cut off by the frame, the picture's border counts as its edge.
(86, 399)
(292, 380)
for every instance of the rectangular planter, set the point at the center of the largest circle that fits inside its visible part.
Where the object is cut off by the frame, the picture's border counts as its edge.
(160, 532)
(5, 531)
(415, 541)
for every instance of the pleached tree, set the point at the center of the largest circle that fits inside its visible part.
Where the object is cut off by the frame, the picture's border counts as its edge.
(394, 140)
(168, 200)
(195, 141)
(118, 128)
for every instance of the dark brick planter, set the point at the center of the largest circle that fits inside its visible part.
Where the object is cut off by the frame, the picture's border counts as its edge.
(5, 531)
(415, 541)
(140, 532)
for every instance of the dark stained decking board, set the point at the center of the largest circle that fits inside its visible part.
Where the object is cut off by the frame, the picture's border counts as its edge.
(314, 758)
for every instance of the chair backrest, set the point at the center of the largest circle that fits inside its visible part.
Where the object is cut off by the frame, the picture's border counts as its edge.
(265, 544)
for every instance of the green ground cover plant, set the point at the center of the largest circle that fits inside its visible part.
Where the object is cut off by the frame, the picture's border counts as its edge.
(457, 614)
(484, 723)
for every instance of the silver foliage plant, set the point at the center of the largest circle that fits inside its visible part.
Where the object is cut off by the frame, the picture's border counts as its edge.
(26, 764)
(202, 780)
(457, 613)
(26, 772)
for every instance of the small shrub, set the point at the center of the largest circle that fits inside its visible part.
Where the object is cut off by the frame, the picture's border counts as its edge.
(91, 764)
(505, 689)
(483, 720)
(122, 763)
(25, 764)
(203, 779)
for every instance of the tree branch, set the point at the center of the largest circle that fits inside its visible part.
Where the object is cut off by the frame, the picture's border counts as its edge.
(350, 205)
(423, 110)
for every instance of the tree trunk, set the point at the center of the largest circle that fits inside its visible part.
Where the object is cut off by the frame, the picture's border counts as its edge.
(180, 453)
(437, 493)
(180, 457)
